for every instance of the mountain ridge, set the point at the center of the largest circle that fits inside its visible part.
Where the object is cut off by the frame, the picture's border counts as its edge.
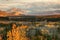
(19, 12)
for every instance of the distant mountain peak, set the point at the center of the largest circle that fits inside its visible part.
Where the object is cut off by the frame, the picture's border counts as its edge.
(12, 12)
(16, 11)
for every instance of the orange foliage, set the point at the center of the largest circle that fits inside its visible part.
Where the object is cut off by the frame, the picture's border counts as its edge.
(17, 33)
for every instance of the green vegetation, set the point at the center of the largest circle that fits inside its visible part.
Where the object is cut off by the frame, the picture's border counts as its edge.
(34, 32)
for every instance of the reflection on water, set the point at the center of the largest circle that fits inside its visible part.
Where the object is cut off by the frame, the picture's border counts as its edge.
(30, 31)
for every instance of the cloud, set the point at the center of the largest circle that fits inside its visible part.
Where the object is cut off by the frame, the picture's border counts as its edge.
(31, 6)
(11, 1)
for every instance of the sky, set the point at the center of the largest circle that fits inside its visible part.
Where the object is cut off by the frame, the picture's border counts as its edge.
(30, 0)
(31, 6)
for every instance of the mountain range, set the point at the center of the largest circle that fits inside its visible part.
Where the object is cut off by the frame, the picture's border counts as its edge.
(19, 12)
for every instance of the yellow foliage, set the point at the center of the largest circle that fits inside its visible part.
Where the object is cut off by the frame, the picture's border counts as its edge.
(17, 33)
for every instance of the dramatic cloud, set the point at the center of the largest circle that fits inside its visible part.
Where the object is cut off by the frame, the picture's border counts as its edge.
(31, 6)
